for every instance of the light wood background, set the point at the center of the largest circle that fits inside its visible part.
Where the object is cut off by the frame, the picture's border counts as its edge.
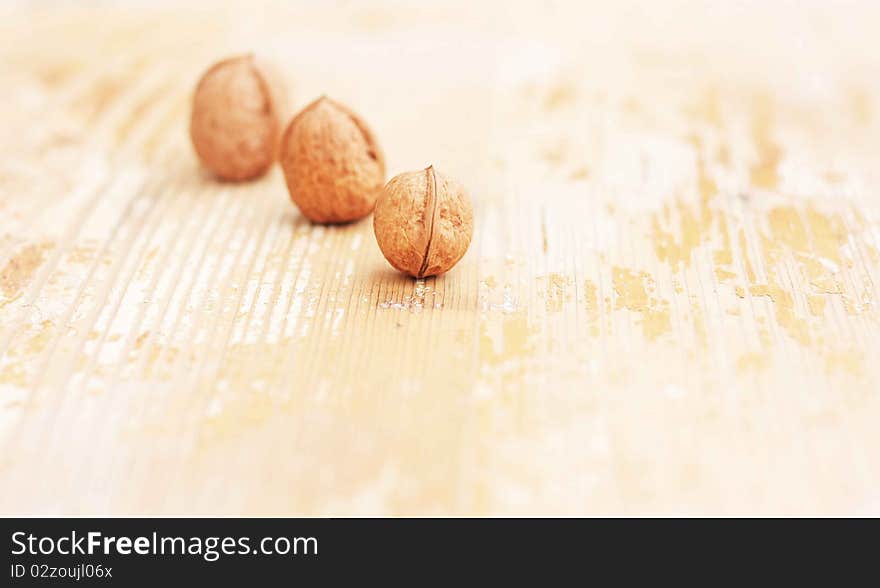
(669, 307)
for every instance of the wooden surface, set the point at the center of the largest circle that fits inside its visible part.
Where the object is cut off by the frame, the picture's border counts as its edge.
(670, 304)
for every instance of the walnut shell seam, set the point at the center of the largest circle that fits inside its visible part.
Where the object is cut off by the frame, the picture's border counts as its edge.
(430, 205)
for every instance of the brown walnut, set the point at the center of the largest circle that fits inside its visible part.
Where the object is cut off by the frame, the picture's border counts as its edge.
(423, 222)
(332, 164)
(237, 113)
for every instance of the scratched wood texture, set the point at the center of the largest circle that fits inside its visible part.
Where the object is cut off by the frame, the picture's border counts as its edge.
(669, 307)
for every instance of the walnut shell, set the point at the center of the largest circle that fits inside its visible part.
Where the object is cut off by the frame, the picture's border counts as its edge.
(332, 164)
(236, 119)
(423, 222)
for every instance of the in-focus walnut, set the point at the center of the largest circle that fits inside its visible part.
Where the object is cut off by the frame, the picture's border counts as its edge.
(332, 163)
(237, 112)
(424, 222)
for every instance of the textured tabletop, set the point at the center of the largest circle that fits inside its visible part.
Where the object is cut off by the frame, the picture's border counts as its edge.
(670, 304)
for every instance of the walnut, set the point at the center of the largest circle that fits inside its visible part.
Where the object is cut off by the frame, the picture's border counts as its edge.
(423, 222)
(238, 107)
(332, 163)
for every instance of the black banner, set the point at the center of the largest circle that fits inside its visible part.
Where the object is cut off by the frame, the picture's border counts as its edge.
(135, 552)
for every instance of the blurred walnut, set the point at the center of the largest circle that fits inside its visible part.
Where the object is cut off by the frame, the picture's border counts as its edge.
(332, 164)
(237, 112)
(424, 222)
